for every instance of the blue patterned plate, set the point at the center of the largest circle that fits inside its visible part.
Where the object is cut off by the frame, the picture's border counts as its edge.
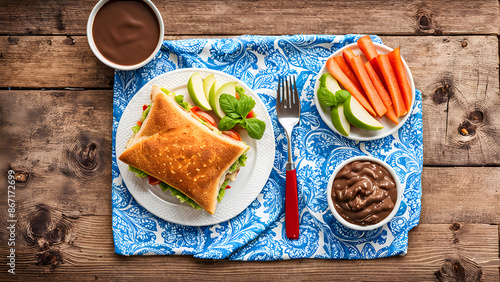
(244, 190)
(356, 133)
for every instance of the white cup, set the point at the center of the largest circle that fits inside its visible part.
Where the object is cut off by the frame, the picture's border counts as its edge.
(344, 222)
(90, 38)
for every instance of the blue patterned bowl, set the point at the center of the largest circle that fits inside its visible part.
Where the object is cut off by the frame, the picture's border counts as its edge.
(344, 222)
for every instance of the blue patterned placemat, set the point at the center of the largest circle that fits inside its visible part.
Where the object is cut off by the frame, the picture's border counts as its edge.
(258, 232)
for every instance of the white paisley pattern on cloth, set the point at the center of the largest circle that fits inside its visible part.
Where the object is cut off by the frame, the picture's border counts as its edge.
(258, 232)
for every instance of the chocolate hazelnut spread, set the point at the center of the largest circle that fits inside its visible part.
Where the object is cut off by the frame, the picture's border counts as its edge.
(364, 193)
(126, 32)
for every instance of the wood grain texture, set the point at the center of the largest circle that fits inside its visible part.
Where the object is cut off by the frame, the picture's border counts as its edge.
(65, 211)
(460, 194)
(51, 61)
(62, 141)
(83, 248)
(199, 17)
(458, 77)
(59, 141)
(459, 80)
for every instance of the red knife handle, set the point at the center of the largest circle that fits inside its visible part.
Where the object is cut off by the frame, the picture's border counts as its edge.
(291, 205)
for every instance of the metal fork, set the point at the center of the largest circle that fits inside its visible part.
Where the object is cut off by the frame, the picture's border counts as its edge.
(288, 111)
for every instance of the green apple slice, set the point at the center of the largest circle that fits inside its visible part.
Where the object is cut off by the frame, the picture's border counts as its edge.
(339, 121)
(228, 88)
(196, 92)
(215, 86)
(358, 116)
(207, 84)
(327, 80)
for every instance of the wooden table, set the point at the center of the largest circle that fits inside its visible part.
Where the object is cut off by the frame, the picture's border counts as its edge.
(56, 117)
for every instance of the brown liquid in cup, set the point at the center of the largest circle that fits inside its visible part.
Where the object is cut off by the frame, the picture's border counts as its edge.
(126, 32)
(364, 193)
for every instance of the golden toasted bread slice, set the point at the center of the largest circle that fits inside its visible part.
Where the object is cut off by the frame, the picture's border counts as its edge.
(176, 148)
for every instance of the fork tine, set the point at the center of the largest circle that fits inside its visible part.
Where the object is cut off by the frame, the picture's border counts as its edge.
(281, 93)
(285, 93)
(295, 92)
(278, 96)
(288, 92)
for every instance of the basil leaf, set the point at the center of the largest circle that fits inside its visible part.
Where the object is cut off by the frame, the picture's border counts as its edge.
(342, 95)
(228, 122)
(245, 105)
(228, 103)
(255, 128)
(326, 97)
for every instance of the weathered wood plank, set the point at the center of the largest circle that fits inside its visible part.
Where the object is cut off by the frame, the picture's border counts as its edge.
(459, 80)
(82, 247)
(458, 77)
(52, 61)
(65, 223)
(62, 140)
(461, 194)
(197, 17)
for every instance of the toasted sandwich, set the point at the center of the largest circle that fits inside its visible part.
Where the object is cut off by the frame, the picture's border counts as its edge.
(179, 149)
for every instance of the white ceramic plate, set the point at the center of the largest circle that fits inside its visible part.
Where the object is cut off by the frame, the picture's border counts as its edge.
(251, 178)
(356, 133)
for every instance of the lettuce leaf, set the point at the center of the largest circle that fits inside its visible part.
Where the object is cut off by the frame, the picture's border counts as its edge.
(145, 113)
(137, 172)
(165, 90)
(240, 90)
(180, 100)
(136, 128)
(222, 190)
(176, 193)
(241, 161)
(183, 198)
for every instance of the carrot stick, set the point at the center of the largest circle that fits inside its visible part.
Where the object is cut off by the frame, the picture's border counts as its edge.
(399, 71)
(371, 92)
(376, 67)
(392, 84)
(348, 54)
(384, 95)
(366, 46)
(348, 72)
(336, 71)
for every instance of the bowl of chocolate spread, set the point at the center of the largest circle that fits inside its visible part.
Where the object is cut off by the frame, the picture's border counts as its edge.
(125, 34)
(364, 193)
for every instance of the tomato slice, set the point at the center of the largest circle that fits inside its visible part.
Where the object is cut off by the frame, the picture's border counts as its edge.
(233, 134)
(228, 187)
(203, 115)
(144, 107)
(153, 181)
